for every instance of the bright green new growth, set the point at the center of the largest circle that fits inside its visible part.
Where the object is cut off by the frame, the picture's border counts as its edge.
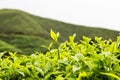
(111, 75)
(54, 36)
(89, 59)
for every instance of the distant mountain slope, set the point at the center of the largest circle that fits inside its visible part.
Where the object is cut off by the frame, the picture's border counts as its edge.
(28, 32)
(14, 21)
(67, 29)
(5, 46)
(26, 43)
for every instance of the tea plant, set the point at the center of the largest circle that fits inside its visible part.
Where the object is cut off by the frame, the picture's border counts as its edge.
(89, 59)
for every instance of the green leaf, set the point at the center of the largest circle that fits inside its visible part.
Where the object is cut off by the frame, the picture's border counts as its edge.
(81, 74)
(40, 70)
(54, 36)
(68, 68)
(54, 73)
(118, 38)
(75, 68)
(98, 39)
(2, 54)
(58, 34)
(111, 75)
(59, 77)
(48, 47)
(22, 73)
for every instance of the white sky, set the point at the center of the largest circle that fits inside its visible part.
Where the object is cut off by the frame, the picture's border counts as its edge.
(96, 13)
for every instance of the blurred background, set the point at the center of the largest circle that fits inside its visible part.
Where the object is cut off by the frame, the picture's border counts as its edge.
(95, 13)
(25, 24)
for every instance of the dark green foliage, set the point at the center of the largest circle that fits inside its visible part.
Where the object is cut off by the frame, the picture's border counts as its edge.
(27, 44)
(7, 47)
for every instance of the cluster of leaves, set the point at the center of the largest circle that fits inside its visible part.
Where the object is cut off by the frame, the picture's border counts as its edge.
(85, 60)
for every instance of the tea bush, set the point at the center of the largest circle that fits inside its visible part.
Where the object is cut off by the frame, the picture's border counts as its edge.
(89, 59)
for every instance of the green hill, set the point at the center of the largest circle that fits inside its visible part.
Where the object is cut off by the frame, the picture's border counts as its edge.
(27, 32)
(5, 46)
(14, 21)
